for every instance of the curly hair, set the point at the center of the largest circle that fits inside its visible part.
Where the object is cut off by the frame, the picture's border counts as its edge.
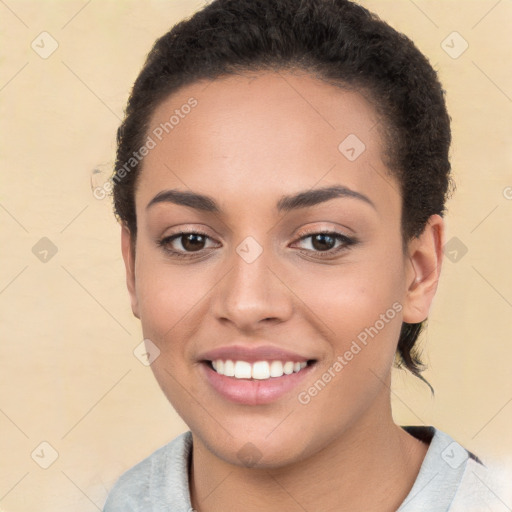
(337, 41)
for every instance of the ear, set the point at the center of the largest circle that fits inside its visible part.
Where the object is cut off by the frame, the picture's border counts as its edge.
(425, 256)
(128, 250)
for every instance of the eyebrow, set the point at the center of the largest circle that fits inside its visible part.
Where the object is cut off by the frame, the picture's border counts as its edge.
(297, 201)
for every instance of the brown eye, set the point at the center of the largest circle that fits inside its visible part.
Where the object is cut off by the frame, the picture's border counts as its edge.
(326, 244)
(192, 241)
(323, 241)
(186, 243)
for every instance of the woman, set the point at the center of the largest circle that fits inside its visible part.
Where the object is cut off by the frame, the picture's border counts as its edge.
(281, 178)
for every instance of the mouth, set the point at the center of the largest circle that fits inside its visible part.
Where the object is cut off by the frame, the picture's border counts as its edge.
(258, 370)
(255, 382)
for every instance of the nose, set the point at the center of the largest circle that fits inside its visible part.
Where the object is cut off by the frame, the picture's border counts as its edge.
(252, 294)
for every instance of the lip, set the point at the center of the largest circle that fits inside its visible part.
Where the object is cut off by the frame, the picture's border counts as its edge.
(252, 354)
(252, 391)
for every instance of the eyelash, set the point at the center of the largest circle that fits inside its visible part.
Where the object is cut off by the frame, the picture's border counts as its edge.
(347, 243)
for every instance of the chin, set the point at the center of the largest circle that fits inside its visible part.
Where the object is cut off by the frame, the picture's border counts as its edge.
(262, 446)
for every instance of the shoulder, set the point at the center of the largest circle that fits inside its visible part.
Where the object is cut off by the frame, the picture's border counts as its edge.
(441, 471)
(485, 486)
(452, 478)
(155, 483)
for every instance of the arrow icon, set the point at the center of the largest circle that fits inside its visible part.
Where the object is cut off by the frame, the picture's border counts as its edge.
(44, 455)
(44, 250)
(454, 45)
(454, 455)
(455, 249)
(249, 249)
(351, 147)
(146, 352)
(44, 45)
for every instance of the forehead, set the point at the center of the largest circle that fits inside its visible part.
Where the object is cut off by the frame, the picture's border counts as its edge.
(266, 134)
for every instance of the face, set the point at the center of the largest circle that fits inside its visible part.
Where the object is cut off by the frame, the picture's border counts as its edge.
(289, 272)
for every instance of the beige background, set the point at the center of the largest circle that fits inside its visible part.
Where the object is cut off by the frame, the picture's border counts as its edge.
(69, 376)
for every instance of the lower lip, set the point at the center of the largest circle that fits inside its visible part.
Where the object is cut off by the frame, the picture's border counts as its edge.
(254, 391)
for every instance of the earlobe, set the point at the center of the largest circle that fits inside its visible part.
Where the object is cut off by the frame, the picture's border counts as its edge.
(128, 249)
(423, 270)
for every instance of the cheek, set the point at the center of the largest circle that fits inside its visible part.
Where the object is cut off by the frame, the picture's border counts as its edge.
(169, 301)
(167, 296)
(361, 320)
(349, 298)
(359, 311)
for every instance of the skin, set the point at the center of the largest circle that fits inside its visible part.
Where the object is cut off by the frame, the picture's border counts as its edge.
(250, 141)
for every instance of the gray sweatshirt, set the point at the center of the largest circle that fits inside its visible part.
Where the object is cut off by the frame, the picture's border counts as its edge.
(450, 479)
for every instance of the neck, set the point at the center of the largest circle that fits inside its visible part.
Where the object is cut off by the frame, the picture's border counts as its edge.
(372, 466)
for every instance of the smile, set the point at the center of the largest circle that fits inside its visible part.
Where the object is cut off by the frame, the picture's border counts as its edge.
(255, 383)
(259, 370)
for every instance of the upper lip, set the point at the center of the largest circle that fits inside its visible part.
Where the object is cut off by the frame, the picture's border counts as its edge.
(251, 354)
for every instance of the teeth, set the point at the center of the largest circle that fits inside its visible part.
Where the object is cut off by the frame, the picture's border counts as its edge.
(242, 370)
(229, 368)
(276, 369)
(288, 368)
(260, 370)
